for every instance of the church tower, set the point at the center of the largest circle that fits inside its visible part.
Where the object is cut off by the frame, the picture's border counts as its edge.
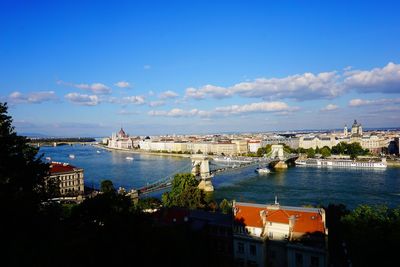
(345, 131)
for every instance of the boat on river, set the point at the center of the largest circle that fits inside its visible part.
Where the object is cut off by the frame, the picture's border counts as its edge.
(260, 170)
(346, 163)
(129, 158)
(71, 156)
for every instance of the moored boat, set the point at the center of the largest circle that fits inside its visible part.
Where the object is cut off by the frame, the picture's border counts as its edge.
(343, 163)
(263, 170)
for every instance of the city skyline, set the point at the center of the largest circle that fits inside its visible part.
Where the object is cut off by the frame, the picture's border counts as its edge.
(181, 67)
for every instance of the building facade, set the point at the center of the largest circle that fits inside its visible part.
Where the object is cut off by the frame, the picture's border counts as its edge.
(274, 235)
(70, 178)
(120, 140)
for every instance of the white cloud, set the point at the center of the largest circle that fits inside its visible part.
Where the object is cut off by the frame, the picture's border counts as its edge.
(208, 90)
(138, 100)
(33, 98)
(151, 93)
(177, 112)
(122, 84)
(301, 87)
(357, 102)
(127, 112)
(256, 107)
(330, 107)
(146, 67)
(168, 94)
(82, 99)
(308, 85)
(156, 103)
(383, 80)
(277, 107)
(95, 88)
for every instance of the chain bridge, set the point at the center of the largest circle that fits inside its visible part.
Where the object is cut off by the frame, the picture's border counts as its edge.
(204, 167)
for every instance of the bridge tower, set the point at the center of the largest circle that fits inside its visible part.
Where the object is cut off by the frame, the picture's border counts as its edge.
(201, 170)
(277, 152)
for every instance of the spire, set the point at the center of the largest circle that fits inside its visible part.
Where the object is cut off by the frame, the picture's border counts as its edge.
(276, 200)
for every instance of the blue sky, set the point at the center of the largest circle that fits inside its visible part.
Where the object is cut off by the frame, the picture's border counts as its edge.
(82, 68)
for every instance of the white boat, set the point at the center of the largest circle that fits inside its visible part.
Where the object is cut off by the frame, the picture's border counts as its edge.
(48, 158)
(300, 162)
(343, 163)
(263, 170)
(98, 152)
(72, 156)
(129, 158)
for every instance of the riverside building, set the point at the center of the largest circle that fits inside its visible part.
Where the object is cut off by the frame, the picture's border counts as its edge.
(376, 143)
(69, 177)
(120, 140)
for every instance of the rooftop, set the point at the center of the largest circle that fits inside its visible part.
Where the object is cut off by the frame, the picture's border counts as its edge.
(59, 167)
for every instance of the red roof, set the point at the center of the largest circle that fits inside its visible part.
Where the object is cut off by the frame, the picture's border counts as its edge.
(249, 215)
(57, 167)
(305, 220)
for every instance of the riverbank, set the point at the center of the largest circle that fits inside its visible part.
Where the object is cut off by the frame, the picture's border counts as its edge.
(138, 151)
(393, 163)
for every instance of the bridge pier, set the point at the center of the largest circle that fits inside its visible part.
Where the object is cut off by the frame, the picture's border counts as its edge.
(281, 165)
(277, 152)
(201, 170)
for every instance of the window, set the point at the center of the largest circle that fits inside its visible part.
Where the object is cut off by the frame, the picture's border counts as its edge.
(299, 260)
(240, 247)
(253, 250)
(314, 261)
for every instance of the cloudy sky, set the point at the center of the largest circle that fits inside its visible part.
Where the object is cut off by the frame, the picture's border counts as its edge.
(86, 68)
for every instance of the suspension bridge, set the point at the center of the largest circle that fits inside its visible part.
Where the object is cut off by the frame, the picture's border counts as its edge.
(204, 168)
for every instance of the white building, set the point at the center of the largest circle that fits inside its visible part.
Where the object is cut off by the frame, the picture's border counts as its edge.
(254, 145)
(120, 141)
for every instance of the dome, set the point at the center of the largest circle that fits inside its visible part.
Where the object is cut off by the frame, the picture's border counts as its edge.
(122, 133)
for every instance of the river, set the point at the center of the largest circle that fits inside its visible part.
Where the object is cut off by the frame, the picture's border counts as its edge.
(295, 186)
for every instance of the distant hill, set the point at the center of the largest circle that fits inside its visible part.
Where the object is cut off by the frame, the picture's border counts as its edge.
(36, 135)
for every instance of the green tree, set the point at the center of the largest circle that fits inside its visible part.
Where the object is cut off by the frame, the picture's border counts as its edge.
(184, 193)
(325, 152)
(107, 186)
(310, 152)
(372, 233)
(317, 150)
(22, 172)
(264, 150)
(225, 206)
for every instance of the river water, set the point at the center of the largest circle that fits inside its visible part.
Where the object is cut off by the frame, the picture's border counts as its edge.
(295, 186)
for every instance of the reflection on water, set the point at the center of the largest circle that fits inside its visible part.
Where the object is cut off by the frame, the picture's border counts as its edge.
(294, 186)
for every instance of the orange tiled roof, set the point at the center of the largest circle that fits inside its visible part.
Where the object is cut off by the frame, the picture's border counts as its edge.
(305, 221)
(249, 215)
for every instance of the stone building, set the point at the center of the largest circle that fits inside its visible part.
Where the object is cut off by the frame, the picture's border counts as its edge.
(70, 178)
(120, 140)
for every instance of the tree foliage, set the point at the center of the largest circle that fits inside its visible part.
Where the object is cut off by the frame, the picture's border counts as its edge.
(372, 233)
(264, 150)
(225, 206)
(325, 152)
(184, 193)
(107, 186)
(352, 149)
(310, 152)
(22, 173)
